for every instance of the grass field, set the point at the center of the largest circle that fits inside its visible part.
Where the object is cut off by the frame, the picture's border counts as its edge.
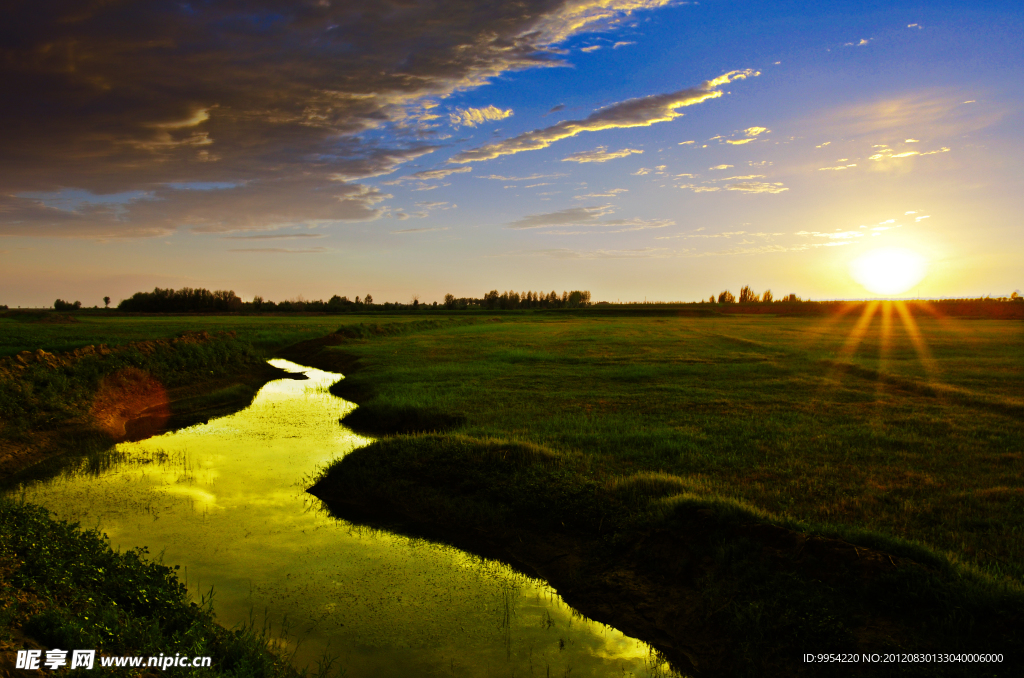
(686, 447)
(816, 419)
(28, 332)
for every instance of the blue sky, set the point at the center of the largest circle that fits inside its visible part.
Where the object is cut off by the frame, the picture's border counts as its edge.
(635, 148)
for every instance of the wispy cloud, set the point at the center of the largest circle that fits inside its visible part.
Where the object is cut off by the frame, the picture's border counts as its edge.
(565, 253)
(471, 117)
(572, 215)
(281, 250)
(886, 153)
(276, 236)
(429, 175)
(600, 154)
(610, 193)
(641, 112)
(421, 230)
(530, 177)
(757, 187)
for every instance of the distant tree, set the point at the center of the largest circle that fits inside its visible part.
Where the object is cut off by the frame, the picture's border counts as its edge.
(711, 299)
(106, 302)
(491, 300)
(61, 305)
(791, 298)
(1015, 296)
(766, 298)
(186, 299)
(449, 301)
(726, 298)
(747, 295)
(368, 299)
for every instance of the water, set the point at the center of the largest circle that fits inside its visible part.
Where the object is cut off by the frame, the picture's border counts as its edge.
(226, 501)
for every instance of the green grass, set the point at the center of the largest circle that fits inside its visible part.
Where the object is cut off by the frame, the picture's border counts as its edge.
(764, 607)
(756, 409)
(64, 587)
(265, 333)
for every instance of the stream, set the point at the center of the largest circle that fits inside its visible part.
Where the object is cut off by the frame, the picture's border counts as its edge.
(226, 501)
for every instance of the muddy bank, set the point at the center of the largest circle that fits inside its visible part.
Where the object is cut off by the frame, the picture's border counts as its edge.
(720, 590)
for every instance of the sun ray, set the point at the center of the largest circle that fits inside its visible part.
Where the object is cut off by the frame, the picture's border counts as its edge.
(859, 330)
(924, 354)
(884, 345)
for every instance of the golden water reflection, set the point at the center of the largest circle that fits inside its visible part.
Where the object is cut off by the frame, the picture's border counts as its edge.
(226, 501)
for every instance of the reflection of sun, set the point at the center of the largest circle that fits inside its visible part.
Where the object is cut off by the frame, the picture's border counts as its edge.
(888, 271)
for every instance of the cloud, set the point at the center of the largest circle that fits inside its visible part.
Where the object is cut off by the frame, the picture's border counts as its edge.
(282, 250)
(600, 154)
(838, 167)
(429, 175)
(836, 235)
(640, 112)
(572, 215)
(610, 193)
(911, 115)
(757, 187)
(565, 253)
(556, 109)
(420, 230)
(255, 206)
(720, 167)
(622, 43)
(751, 135)
(119, 97)
(886, 153)
(531, 177)
(276, 236)
(471, 117)
(592, 48)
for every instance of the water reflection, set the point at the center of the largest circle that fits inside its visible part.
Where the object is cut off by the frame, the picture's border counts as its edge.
(226, 500)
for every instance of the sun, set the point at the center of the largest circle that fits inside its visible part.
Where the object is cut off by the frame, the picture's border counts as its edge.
(889, 271)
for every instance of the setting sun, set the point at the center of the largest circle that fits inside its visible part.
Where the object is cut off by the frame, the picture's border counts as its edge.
(889, 271)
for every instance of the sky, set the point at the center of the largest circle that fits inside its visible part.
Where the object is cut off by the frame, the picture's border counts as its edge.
(639, 149)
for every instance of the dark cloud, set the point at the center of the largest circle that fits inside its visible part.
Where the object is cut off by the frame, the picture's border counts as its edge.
(109, 97)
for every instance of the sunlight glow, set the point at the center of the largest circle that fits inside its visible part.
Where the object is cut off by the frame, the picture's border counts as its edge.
(889, 271)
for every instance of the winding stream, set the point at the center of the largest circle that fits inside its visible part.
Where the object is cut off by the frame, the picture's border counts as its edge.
(226, 501)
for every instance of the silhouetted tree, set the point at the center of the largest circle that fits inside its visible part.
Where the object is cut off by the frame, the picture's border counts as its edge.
(368, 300)
(726, 298)
(106, 302)
(61, 305)
(766, 298)
(747, 295)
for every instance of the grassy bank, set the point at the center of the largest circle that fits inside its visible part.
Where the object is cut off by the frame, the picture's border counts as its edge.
(785, 414)
(722, 588)
(78, 382)
(63, 587)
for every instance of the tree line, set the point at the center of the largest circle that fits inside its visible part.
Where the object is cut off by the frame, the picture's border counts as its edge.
(511, 300)
(749, 296)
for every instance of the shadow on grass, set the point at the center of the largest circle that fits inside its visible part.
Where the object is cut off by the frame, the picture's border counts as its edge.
(719, 587)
